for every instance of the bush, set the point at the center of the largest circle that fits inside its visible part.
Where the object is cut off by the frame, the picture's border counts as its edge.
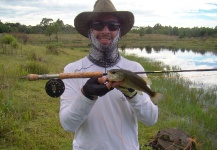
(14, 44)
(8, 39)
(54, 48)
(35, 68)
(22, 37)
(11, 41)
(35, 57)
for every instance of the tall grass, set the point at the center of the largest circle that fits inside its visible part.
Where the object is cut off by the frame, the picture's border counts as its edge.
(134, 40)
(172, 42)
(192, 110)
(29, 117)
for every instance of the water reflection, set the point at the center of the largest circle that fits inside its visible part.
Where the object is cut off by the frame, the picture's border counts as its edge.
(184, 59)
(157, 49)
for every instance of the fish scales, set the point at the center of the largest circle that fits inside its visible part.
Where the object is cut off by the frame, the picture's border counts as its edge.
(132, 80)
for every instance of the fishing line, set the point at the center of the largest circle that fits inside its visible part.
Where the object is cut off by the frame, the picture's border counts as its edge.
(192, 123)
(170, 71)
(115, 131)
(179, 76)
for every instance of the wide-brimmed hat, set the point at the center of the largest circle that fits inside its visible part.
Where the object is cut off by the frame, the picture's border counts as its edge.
(103, 7)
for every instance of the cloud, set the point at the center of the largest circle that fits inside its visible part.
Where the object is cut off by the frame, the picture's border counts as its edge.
(185, 13)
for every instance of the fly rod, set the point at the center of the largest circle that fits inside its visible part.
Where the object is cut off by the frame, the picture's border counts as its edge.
(33, 77)
(170, 71)
(55, 86)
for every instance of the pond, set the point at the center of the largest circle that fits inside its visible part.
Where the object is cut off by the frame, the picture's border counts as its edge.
(185, 60)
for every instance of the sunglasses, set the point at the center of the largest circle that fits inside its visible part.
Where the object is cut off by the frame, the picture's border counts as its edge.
(99, 25)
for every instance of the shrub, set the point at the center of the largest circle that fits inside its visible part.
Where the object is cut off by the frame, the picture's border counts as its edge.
(54, 48)
(22, 37)
(35, 57)
(7, 39)
(11, 41)
(14, 44)
(35, 68)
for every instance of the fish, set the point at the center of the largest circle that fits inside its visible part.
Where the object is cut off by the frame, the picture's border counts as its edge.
(134, 81)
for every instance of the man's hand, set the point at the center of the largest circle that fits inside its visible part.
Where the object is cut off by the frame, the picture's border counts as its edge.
(128, 92)
(95, 87)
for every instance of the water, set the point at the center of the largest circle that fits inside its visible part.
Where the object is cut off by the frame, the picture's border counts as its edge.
(184, 60)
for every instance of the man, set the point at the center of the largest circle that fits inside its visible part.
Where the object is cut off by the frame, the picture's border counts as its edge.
(101, 115)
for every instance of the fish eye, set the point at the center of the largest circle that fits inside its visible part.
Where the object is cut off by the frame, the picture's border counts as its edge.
(113, 72)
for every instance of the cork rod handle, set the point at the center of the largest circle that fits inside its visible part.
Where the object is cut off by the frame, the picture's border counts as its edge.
(33, 77)
(80, 75)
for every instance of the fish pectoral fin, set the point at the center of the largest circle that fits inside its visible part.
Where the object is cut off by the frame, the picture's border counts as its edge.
(147, 80)
(157, 98)
(139, 92)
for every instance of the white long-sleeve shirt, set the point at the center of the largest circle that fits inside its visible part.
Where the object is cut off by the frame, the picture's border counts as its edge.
(110, 122)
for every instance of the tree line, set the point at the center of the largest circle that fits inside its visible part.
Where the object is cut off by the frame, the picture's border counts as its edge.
(45, 26)
(181, 32)
(48, 27)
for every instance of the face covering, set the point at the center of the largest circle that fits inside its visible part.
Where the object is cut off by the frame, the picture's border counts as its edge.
(104, 56)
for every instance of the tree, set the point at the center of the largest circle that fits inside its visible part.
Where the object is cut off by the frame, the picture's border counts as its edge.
(141, 32)
(157, 26)
(68, 29)
(49, 31)
(4, 28)
(60, 23)
(45, 22)
(58, 26)
(149, 30)
(175, 31)
(215, 31)
(56, 29)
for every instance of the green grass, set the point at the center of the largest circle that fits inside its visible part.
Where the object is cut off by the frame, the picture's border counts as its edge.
(192, 110)
(29, 117)
(133, 40)
(171, 42)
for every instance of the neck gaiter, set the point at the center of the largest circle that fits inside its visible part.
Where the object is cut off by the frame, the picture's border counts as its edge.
(104, 56)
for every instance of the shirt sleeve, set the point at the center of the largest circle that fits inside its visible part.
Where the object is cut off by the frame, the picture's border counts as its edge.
(74, 112)
(144, 109)
(74, 106)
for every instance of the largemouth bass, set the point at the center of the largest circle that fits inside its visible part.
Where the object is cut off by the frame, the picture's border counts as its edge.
(134, 81)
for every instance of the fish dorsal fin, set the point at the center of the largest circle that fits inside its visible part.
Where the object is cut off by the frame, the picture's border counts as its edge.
(147, 80)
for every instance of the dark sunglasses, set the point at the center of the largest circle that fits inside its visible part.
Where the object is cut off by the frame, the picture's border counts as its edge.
(99, 26)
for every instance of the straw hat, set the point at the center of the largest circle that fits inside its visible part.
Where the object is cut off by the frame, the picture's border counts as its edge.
(103, 7)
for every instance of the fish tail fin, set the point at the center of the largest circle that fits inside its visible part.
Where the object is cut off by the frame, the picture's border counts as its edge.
(157, 97)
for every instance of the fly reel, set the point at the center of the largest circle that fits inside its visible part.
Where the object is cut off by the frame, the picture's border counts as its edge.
(55, 87)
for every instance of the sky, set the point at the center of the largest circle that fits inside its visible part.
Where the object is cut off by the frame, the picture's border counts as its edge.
(179, 13)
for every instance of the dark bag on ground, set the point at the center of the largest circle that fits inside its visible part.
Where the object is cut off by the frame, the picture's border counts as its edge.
(172, 139)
